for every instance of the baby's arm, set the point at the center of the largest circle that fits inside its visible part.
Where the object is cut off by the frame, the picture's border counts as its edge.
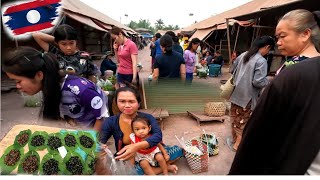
(164, 152)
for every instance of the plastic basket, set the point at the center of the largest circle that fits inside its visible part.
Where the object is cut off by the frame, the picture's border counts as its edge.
(214, 70)
(197, 163)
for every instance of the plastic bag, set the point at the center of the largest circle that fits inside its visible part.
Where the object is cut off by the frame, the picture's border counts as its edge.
(188, 147)
(108, 165)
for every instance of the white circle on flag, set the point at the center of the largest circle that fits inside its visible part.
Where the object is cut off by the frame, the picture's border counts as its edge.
(33, 16)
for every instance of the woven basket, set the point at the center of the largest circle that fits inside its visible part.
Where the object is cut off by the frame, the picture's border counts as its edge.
(197, 163)
(215, 109)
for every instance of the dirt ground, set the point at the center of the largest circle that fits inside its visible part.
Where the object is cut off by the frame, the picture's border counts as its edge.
(13, 113)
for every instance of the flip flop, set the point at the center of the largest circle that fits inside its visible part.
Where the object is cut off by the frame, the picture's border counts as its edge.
(230, 144)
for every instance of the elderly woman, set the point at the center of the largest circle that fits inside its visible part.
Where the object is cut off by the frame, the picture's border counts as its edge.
(282, 135)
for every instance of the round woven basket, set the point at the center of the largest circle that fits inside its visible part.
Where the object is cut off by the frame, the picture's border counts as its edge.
(215, 109)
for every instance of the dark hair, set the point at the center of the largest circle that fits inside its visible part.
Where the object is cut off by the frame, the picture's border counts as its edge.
(115, 30)
(301, 20)
(125, 89)
(193, 41)
(257, 44)
(218, 52)
(140, 118)
(158, 35)
(65, 32)
(166, 42)
(237, 53)
(27, 61)
(173, 36)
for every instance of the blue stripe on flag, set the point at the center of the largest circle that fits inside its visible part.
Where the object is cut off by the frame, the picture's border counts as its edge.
(19, 19)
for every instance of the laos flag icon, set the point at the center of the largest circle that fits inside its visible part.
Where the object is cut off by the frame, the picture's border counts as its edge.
(31, 16)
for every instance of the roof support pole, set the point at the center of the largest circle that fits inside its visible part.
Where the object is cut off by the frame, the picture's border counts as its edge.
(235, 43)
(228, 36)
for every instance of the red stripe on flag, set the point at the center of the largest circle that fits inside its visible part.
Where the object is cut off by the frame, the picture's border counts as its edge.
(36, 27)
(30, 5)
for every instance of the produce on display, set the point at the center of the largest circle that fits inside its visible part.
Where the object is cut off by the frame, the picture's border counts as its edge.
(51, 164)
(22, 138)
(38, 140)
(29, 163)
(54, 142)
(43, 156)
(74, 164)
(10, 159)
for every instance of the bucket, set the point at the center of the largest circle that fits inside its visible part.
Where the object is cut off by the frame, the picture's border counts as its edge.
(214, 70)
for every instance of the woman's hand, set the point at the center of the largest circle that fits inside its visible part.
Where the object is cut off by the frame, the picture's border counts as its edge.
(127, 152)
(115, 46)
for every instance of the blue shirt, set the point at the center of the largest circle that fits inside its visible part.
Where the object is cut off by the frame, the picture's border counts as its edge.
(111, 127)
(158, 47)
(169, 65)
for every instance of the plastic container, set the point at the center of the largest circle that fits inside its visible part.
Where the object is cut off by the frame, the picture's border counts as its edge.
(214, 70)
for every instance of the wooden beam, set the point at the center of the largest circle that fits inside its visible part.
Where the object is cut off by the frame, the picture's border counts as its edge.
(258, 26)
(143, 93)
(235, 43)
(208, 45)
(16, 42)
(228, 36)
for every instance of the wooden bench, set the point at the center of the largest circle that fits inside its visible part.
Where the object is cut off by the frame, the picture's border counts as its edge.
(201, 116)
(158, 113)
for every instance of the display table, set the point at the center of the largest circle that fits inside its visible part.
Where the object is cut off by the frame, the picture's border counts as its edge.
(158, 113)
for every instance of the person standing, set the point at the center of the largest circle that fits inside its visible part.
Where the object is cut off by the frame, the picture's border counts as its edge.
(190, 58)
(176, 46)
(127, 55)
(282, 135)
(249, 77)
(157, 46)
(169, 65)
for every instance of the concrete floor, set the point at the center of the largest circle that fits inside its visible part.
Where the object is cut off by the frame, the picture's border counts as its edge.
(13, 112)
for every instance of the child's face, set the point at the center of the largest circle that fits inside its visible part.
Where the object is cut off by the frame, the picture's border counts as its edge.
(68, 47)
(141, 129)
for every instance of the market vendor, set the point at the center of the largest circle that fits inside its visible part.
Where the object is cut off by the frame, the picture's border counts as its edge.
(64, 96)
(119, 126)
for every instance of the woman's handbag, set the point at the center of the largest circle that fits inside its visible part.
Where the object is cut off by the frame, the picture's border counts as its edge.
(227, 89)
